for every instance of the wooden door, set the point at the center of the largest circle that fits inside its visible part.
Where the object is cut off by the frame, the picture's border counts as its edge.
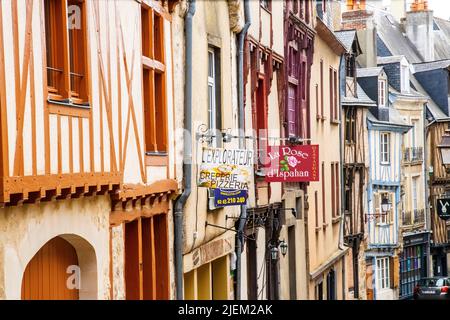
(147, 259)
(45, 277)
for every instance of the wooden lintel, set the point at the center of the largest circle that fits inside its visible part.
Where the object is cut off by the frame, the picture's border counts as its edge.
(118, 217)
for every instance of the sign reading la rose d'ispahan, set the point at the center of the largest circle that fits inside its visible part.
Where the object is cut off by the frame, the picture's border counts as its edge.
(292, 163)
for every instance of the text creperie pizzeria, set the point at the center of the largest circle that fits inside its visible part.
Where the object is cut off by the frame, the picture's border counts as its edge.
(224, 180)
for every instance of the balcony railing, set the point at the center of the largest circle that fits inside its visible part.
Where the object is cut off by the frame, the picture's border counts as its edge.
(413, 154)
(413, 217)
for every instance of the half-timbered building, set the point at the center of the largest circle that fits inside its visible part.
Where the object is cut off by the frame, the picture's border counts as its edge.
(385, 140)
(415, 235)
(87, 173)
(355, 104)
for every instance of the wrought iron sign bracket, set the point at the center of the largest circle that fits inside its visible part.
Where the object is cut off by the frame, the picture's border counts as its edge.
(204, 134)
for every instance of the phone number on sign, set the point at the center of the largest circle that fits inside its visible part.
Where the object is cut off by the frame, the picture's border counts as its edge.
(231, 201)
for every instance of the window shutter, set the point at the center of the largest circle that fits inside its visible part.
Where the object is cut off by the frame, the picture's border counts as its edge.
(394, 272)
(376, 203)
(391, 212)
(333, 192)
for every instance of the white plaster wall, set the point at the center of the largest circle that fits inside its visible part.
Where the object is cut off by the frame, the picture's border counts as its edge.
(24, 230)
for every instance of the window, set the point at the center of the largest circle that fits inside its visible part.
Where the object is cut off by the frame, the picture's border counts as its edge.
(318, 114)
(335, 189)
(333, 192)
(350, 125)
(383, 274)
(384, 148)
(293, 101)
(414, 186)
(383, 217)
(66, 50)
(214, 105)
(334, 96)
(154, 82)
(382, 92)
(324, 198)
(350, 66)
(316, 204)
(321, 88)
(331, 89)
(261, 121)
(413, 133)
(405, 78)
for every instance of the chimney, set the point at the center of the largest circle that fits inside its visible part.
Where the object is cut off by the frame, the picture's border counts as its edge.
(357, 17)
(419, 28)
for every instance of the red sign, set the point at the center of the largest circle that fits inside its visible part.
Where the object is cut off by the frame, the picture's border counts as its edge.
(292, 163)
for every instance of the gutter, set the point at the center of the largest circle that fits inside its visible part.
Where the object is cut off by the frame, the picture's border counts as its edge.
(427, 190)
(241, 116)
(342, 189)
(187, 151)
(341, 155)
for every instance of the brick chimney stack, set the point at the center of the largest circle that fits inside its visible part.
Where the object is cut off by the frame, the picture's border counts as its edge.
(356, 5)
(419, 5)
(359, 18)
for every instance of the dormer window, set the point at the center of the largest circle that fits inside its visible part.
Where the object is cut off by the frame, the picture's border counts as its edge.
(382, 95)
(350, 66)
(404, 78)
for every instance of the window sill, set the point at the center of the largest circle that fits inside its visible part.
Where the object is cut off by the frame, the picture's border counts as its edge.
(336, 220)
(335, 122)
(386, 164)
(318, 229)
(67, 108)
(156, 159)
(379, 224)
(325, 226)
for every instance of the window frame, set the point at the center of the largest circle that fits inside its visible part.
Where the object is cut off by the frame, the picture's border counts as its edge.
(153, 65)
(383, 273)
(62, 50)
(350, 126)
(382, 92)
(385, 155)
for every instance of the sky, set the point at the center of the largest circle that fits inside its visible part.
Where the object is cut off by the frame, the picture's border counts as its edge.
(441, 8)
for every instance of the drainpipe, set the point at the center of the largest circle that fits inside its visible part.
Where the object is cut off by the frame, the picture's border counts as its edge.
(341, 155)
(427, 192)
(187, 149)
(240, 83)
(341, 160)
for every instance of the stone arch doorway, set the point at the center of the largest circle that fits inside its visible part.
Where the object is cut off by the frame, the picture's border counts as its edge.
(46, 276)
(64, 268)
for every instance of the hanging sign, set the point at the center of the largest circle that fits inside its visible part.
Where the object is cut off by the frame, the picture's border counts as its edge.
(225, 198)
(443, 208)
(293, 163)
(226, 169)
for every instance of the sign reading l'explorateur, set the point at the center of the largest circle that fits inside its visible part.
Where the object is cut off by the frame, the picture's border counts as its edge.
(226, 168)
(293, 163)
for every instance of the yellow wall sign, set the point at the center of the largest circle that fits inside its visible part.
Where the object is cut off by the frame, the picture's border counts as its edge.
(226, 168)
